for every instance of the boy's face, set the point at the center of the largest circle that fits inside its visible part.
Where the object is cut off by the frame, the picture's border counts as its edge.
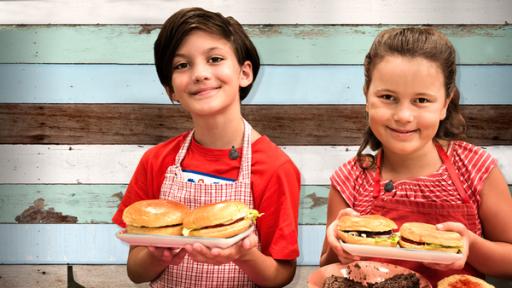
(206, 75)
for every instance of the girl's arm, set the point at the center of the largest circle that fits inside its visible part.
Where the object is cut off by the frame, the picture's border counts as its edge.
(332, 251)
(493, 255)
(147, 263)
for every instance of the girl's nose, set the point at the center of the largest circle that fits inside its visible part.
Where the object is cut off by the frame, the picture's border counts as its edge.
(403, 113)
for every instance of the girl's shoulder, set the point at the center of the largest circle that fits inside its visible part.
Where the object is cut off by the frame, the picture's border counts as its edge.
(466, 150)
(468, 157)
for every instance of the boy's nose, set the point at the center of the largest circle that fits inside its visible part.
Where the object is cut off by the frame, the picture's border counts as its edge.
(201, 73)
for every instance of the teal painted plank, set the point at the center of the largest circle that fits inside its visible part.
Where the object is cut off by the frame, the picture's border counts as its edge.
(277, 44)
(97, 244)
(98, 203)
(327, 84)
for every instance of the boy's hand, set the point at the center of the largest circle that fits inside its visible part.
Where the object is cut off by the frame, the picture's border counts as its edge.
(168, 256)
(466, 234)
(219, 256)
(333, 240)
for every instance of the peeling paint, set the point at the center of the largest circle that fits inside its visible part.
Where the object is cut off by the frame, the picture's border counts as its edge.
(147, 29)
(36, 214)
(317, 200)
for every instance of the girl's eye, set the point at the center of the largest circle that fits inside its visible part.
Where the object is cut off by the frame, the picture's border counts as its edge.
(216, 59)
(422, 100)
(387, 97)
(180, 66)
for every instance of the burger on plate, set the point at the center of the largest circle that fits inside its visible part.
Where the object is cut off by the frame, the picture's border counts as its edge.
(219, 220)
(367, 230)
(156, 216)
(463, 281)
(416, 235)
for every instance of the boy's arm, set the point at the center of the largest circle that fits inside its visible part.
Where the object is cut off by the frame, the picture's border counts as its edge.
(147, 263)
(266, 271)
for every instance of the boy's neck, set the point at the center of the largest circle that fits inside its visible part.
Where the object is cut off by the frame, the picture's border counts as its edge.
(421, 163)
(219, 132)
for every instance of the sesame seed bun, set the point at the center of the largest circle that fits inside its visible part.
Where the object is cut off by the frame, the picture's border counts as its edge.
(155, 216)
(461, 280)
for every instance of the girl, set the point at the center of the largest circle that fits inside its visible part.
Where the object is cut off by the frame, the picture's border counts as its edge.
(207, 63)
(422, 171)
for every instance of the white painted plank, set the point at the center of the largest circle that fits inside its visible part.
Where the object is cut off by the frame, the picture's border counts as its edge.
(315, 84)
(114, 164)
(97, 244)
(261, 12)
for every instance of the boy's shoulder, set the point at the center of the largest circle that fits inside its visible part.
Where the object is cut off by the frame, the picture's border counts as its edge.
(168, 147)
(264, 150)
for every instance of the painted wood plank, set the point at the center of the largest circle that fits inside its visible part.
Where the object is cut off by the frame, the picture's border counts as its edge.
(262, 12)
(316, 84)
(97, 244)
(92, 204)
(150, 124)
(115, 164)
(277, 44)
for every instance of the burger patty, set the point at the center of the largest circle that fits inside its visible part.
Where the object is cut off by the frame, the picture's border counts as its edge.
(175, 225)
(369, 234)
(225, 224)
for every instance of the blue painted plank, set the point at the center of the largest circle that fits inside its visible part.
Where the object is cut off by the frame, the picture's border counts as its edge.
(97, 244)
(336, 84)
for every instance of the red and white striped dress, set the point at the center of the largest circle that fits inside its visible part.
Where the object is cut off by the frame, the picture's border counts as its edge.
(472, 163)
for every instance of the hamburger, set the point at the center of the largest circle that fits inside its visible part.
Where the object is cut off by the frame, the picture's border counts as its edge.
(156, 216)
(416, 235)
(367, 230)
(463, 281)
(219, 220)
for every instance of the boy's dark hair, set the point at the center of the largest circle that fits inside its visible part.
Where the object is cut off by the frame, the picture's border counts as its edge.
(427, 43)
(181, 23)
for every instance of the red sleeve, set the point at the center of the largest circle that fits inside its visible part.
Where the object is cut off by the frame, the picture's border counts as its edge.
(278, 227)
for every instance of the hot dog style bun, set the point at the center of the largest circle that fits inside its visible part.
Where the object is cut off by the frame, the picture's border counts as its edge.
(424, 236)
(367, 230)
(219, 220)
(156, 216)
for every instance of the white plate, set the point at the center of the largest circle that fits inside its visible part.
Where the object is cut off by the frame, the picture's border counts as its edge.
(401, 253)
(178, 241)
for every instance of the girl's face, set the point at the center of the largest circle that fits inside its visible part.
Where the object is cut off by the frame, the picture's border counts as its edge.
(206, 75)
(405, 102)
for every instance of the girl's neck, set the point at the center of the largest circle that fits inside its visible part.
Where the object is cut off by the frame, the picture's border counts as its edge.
(399, 166)
(220, 132)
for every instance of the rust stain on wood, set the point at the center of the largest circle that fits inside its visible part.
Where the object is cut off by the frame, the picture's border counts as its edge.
(318, 201)
(37, 214)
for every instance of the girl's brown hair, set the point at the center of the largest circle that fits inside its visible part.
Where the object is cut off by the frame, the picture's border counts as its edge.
(427, 43)
(186, 20)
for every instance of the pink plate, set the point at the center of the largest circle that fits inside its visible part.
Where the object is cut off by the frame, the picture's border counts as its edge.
(361, 271)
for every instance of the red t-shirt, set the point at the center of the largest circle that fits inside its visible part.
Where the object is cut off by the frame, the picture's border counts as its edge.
(275, 184)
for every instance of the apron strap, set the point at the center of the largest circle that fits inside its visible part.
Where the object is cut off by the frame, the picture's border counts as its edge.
(452, 172)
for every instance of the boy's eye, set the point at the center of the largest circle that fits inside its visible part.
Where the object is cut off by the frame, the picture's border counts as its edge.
(215, 59)
(180, 66)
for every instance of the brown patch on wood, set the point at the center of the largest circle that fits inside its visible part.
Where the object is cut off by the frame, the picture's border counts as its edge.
(147, 28)
(36, 214)
(318, 201)
(118, 195)
(151, 124)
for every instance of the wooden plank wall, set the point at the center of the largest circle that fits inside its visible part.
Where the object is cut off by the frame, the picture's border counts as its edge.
(80, 102)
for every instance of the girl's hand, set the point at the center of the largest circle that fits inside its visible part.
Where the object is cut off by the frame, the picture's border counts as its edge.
(168, 256)
(333, 240)
(219, 256)
(466, 234)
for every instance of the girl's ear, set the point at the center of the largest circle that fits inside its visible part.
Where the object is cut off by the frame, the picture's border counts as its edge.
(445, 106)
(246, 76)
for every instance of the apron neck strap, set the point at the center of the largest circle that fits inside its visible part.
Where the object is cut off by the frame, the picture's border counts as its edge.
(444, 158)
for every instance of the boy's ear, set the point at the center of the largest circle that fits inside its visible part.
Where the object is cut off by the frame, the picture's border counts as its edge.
(170, 93)
(246, 76)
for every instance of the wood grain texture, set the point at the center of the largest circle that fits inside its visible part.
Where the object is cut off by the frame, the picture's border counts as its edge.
(276, 44)
(150, 124)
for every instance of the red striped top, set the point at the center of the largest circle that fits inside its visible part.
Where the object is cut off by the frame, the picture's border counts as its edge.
(471, 162)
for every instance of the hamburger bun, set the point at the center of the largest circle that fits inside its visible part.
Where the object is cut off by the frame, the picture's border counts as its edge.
(416, 235)
(367, 230)
(461, 280)
(219, 220)
(155, 216)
